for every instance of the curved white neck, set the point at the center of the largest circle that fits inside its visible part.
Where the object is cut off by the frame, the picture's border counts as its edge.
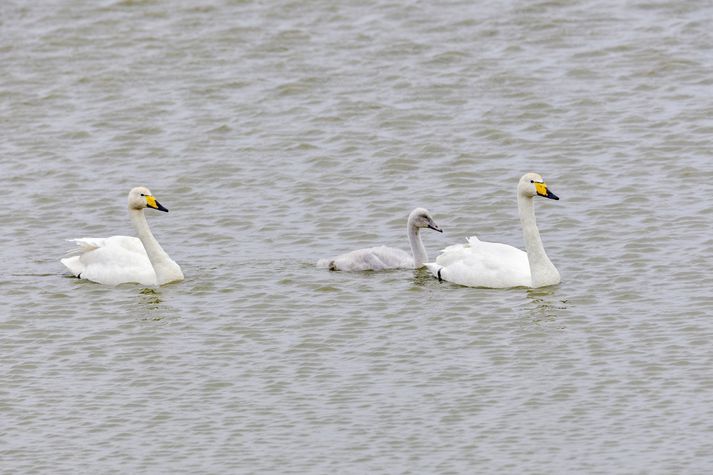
(542, 271)
(161, 262)
(417, 249)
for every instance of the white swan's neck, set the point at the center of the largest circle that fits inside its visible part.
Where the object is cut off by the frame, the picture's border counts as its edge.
(417, 249)
(542, 271)
(166, 270)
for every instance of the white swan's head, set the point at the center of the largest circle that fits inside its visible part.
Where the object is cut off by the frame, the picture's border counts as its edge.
(532, 184)
(141, 197)
(421, 218)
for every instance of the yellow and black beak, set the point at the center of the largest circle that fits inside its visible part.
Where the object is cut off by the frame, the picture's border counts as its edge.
(152, 203)
(541, 188)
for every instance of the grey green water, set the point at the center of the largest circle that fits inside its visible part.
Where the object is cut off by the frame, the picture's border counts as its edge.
(278, 133)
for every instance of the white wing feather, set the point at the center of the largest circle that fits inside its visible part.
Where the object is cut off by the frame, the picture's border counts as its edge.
(483, 264)
(110, 261)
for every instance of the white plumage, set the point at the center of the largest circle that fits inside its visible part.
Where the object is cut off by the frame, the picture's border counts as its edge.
(120, 259)
(483, 264)
(495, 265)
(110, 261)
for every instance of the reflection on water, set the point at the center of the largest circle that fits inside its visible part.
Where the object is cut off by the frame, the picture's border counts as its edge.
(545, 304)
(149, 302)
(293, 134)
(422, 277)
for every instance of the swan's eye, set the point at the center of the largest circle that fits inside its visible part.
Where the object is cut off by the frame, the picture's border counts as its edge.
(143, 194)
(531, 181)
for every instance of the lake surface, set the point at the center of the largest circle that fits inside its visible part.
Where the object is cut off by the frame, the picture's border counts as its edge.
(279, 133)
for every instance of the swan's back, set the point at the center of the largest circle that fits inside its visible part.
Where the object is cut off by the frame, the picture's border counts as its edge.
(110, 261)
(483, 264)
(373, 258)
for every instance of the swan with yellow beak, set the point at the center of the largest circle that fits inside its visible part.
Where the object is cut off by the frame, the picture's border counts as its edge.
(494, 265)
(122, 259)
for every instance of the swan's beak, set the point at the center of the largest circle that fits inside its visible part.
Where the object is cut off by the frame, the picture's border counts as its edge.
(542, 190)
(435, 227)
(152, 203)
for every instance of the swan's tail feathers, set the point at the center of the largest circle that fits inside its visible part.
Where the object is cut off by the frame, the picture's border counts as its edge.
(83, 245)
(435, 269)
(326, 264)
(72, 263)
(473, 240)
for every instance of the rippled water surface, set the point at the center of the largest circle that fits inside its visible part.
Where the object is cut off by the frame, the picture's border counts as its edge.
(279, 133)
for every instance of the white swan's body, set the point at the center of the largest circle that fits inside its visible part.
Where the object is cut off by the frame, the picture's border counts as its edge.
(121, 259)
(495, 265)
(483, 264)
(384, 258)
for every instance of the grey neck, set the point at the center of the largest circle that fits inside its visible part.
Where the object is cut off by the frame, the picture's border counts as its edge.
(417, 249)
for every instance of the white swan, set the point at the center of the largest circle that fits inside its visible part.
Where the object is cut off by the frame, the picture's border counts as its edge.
(495, 265)
(119, 259)
(382, 258)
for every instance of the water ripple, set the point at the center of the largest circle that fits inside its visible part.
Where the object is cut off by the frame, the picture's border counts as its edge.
(282, 133)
